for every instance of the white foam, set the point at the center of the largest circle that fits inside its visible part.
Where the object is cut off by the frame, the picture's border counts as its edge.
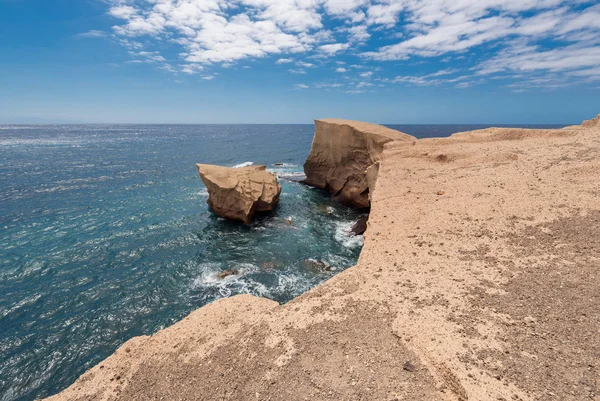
(284, 165)
(238, 283)
(244, 164)
(290, 175)
(344, 235)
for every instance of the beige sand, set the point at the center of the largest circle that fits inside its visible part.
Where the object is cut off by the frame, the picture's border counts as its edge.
(479, 280)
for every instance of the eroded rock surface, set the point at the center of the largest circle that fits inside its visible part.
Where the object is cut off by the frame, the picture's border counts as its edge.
(342, 151)
(487, 292)
(240, 193)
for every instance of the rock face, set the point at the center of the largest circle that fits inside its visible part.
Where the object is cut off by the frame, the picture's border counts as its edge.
(594, 122)
(360, 227)
(239, 193)
(342, 151)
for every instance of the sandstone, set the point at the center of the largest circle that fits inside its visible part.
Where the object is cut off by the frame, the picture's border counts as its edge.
(344, 158)
(433, 310)
(594, 122)
(240, 193)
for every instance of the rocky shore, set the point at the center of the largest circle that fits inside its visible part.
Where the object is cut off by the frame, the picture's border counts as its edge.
(479, 280)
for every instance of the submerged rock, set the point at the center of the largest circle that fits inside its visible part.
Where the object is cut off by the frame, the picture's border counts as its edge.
(317, 266)
(344, 158)
(240, 193)
(360, 226)
(227, 273)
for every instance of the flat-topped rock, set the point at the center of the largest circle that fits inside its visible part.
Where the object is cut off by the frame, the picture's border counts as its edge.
(240, 193)
(342, 151)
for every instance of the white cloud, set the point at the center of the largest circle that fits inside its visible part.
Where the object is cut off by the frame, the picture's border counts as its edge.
(297, 71)
(329, 85)
(301, 86)
(92, 34)
(491, 36)
(366, 74)
(358, 33)
(122, 11)
(340, 69)
(522, 58)
(429, 79)
(334, 48)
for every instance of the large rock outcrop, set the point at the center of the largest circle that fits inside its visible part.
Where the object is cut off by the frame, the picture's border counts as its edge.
(240, 193)
(344, 158)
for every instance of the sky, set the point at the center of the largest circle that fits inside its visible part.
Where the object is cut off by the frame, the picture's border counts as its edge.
(292, 61)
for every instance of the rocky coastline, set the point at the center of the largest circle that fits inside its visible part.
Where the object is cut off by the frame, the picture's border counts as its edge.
(479, 279)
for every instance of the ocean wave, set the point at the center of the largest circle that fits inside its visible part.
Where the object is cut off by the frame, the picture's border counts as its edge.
(291, 175)
(344, 235)
(41, 142)
(210, 286)
(244, 164)
(284, 165)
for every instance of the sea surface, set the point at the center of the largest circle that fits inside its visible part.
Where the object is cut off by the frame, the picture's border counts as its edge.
(105, 234)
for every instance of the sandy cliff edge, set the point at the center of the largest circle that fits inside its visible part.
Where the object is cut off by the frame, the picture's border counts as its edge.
(479, 280)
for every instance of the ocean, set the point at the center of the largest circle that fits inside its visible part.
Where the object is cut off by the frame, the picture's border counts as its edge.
(105, 235)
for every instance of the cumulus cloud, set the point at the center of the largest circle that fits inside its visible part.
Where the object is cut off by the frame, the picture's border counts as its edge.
(496, 36)
(333, 48)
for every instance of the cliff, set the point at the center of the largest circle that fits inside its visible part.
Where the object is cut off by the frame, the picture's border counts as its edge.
(479, 280)
(344, 158)
(240, 193)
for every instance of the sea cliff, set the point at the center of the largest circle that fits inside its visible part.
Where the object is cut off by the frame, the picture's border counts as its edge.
(478, 280)
(344, 158)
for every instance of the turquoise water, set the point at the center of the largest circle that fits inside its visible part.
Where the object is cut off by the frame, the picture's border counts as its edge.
(105, 235)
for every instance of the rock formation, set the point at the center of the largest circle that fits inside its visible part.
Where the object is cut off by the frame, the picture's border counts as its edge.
(341, 154)
(239, 193)
(594, 122)
(489, 292)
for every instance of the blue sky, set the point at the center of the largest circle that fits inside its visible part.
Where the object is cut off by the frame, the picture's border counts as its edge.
(290, 61)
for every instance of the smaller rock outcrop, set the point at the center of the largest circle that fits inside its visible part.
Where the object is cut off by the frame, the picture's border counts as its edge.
(240, 193)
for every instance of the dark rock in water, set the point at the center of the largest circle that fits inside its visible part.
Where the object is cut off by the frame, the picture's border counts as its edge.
(268, 265)
(278, 164)
(326, 209)
(360, 226)
(227, 273)
(317, 266)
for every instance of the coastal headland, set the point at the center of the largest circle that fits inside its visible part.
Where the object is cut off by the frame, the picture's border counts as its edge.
(478, 280)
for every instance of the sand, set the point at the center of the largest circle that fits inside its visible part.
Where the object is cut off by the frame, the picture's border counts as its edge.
(479, 280)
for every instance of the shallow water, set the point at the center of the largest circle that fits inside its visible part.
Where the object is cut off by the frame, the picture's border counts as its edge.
(105, 235)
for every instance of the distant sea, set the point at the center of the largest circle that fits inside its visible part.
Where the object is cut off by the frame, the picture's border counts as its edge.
(105, 234)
